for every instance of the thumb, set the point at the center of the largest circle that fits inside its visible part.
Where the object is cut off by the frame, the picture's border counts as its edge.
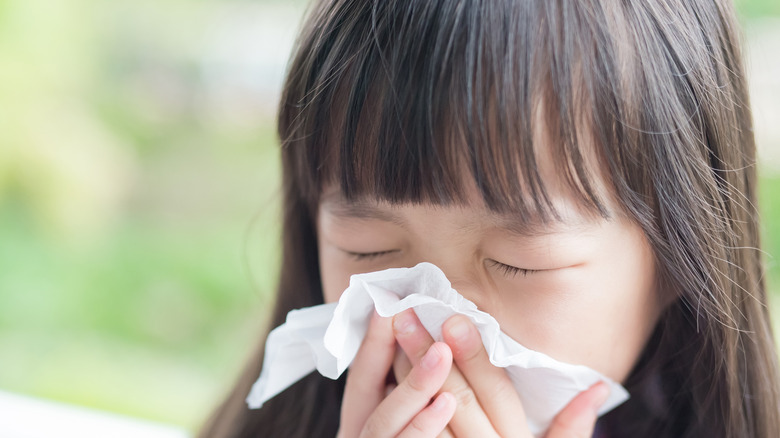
(578, 418)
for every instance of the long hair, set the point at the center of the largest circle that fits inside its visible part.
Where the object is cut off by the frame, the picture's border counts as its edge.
(397, 99)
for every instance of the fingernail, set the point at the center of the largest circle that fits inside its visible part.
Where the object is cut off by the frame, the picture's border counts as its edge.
(431, 358)
(602, 393)
(459, 330)
(404, 324)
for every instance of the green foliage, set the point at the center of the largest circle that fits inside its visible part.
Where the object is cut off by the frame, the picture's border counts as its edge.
(752, 9)
(769, 198)
(134, 277)
(151, 319)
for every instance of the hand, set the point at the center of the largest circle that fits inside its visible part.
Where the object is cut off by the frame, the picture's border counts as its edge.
(487, 403)
(368, 410)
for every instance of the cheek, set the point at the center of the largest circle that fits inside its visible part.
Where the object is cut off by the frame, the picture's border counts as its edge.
(609, 333)
(599, 315)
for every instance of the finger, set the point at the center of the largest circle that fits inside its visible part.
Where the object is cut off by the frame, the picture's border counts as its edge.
(492, 386)
(389, 388)
(432, 419)
(412, 395)
(469, 419)
(401, 365)
(366, 379)
(578, 418)
(411, 335)
(446, 433)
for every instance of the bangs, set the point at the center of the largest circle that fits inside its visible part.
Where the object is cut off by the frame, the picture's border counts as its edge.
(416, 104)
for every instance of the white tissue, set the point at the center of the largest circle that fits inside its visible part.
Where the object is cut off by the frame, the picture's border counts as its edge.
(327, 337)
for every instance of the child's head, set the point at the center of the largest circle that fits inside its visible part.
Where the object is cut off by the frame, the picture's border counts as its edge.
(606, 144)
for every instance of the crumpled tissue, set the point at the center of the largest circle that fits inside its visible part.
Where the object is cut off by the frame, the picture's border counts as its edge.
(327, 337)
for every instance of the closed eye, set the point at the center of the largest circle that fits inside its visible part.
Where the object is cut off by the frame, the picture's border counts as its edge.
(364, 256)
(512, 271)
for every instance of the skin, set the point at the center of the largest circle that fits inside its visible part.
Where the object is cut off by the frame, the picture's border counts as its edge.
(585, 294)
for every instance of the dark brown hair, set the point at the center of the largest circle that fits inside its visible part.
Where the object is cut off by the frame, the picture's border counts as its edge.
(396, 99)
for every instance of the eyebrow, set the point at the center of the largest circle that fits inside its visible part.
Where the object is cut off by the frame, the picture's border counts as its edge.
(536, 226)
(361, 210)
(526, 227)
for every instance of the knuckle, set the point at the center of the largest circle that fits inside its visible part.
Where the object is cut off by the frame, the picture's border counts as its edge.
(417, 425)
(375, 426)
(465, 397)
(471, 354)
(503, 391)
(416, 383)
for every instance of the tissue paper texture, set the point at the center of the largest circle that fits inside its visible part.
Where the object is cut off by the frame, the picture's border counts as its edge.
(327, 338)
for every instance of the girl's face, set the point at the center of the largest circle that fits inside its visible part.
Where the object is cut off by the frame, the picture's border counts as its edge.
(581, 290)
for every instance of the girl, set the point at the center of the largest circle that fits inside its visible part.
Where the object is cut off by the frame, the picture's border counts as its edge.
(583, 170)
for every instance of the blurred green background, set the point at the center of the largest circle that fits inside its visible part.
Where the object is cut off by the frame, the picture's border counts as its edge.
(139, 189)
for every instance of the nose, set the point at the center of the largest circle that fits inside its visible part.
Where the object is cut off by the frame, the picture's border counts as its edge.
(471, 283)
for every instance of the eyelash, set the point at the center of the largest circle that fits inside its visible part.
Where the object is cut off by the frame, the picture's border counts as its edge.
(365, 256)
(512, 271)
(508, 270)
